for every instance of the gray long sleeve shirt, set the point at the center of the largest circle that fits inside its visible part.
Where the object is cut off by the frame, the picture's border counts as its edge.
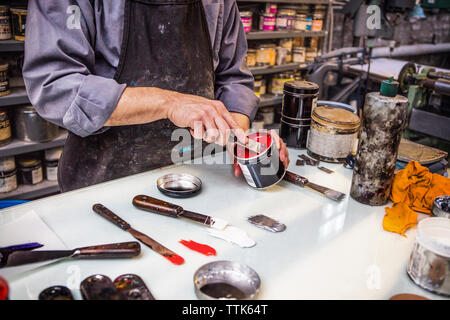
(72, 51)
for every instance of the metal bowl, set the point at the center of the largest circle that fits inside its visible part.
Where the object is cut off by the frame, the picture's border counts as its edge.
(441, 207)
(179, 185)
(226, 280)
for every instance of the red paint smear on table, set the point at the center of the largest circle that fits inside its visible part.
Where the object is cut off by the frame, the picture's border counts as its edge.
(175, 259)
(3, 289)
(199, 247)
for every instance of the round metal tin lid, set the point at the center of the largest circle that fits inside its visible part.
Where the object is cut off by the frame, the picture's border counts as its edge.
(336, 115)
(26, 163)
(301, 87)
(179, 185)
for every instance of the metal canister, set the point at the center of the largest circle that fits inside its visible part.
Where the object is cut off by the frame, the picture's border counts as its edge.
(299, 99)
(5, 128)
(51, 163)
(317, 18)
(429, 264)
(18, 22)
(264, 169)
(30, 171)
(8, 181)
(383, 120)
(4, 80)
(260, 85)
(29, 126)
(333, 133)
(285, 19)
(278, 81)
(5, 23)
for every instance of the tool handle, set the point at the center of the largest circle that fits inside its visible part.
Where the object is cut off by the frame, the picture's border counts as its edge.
(111, 216)
(295, 178)
(113, 250)
(157, 206)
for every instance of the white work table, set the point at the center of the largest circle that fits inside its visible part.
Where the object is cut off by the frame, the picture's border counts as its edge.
(329, 250)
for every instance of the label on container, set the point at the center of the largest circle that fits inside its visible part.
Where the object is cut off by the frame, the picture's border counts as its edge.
(5, 130)
(36, 175)
(8, 184)
(247, 176)
(330, 144)
(247, 23)
(52, 173)
(5, 27)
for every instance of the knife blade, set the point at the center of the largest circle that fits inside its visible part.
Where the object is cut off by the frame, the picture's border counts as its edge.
(114, 250)
(149, 242)
(305, 183)
(158, 206)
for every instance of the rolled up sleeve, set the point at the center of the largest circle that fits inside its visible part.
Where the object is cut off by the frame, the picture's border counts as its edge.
(234, 81)
(59, 67)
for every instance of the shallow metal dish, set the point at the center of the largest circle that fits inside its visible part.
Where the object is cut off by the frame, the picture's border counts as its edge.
(441, 207)
(235, 274)
(179, 185)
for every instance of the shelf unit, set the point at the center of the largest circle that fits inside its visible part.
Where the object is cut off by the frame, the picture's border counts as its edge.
(18, 96)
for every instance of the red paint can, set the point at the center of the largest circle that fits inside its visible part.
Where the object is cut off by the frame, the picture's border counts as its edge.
(263, 169)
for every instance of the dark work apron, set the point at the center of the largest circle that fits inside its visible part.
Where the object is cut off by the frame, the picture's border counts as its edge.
(165, 44)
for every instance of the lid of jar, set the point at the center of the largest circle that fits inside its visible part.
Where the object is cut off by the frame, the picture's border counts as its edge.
(267, 45)
(245, 13)
(3, 67)
(27, 162)
(290, 7)
(301, 87)
(336, 115)
(53, 154)
(19, 10)
(267, 14)
(7, 164)
(284, 75)
(250, 50)
(25, 109)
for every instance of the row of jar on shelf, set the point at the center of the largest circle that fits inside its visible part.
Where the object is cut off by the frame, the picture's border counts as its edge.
(291, 50)
(274, 83)
(28, 169)
(12, 22)
(24, 124)
(283, 17)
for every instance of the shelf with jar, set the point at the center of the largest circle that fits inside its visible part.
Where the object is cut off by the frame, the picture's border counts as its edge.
(29, 176)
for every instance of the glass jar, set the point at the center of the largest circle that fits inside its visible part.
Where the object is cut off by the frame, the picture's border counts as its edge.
(246, 18)
(251, 57)
(267, 22)
(4, 80)
(285, 19)
(278, 81)
(281, 55)
(5, 128)
(266, 55)
(299, 54)
(5, 23)
(287, 43)
(30, 171)
(260, 85)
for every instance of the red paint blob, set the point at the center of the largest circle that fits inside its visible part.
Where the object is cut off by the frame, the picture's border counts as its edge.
(262, 137)
(202, 248)
(3, 289)
(175, 259)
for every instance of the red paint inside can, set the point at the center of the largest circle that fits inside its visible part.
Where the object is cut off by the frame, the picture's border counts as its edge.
(262, 137)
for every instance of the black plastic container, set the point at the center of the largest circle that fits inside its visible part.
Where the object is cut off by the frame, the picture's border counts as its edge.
(299, 98)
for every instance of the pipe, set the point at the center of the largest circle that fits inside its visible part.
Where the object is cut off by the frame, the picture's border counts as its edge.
(410, 50)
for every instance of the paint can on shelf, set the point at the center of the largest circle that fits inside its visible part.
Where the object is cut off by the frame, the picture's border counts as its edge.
(251, 57)
(299, 54)
(267, 22)
(264, 169)
(266, 55)
(268, 114)
(8, 178)
(51, 163)
(29, 126)
(246, 18)
(5, 23)
(299, 99)
(285, 19)
(278, 81)
(333, 133)
(30, 171)
(4, 80)
(5, 128)
(260, 85)
(18, 22)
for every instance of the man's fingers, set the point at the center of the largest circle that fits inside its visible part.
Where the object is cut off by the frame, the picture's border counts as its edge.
(224, 131)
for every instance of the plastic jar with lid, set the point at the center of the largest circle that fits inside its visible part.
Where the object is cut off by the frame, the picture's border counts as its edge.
(300, 22)
(299, 54)
(317, 19)
(251, 57)
(30, 171)
(266, 55)
(246, 18)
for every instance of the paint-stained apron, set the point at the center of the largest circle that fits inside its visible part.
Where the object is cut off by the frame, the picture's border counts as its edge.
(165, 44)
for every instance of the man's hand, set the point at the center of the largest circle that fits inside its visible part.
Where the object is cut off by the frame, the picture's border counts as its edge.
(207, 119)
